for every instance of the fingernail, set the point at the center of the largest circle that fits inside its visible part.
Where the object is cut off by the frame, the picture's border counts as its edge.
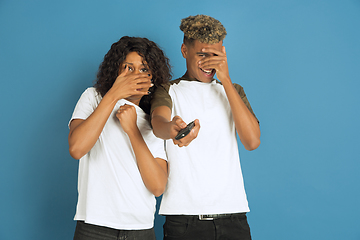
(151, 85)
(149, 74)
(125, 66)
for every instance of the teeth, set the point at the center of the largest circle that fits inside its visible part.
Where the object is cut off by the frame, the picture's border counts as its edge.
(206, 71)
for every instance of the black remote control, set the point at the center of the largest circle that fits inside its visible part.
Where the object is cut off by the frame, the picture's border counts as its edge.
(185, 131)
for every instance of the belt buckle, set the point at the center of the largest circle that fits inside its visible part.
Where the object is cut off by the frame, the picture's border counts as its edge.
(205, 217)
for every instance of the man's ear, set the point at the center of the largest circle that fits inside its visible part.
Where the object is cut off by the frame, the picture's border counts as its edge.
(184, 50)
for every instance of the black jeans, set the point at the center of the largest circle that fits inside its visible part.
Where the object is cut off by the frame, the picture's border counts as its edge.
(182, 227)
(85, 231)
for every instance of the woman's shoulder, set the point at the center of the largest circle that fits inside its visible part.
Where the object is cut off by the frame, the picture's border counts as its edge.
(92, 92)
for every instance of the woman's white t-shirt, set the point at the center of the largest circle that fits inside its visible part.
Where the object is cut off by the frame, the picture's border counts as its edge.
(110, 187)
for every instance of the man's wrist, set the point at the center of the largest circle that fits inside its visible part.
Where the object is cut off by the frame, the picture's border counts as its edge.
(226, 81)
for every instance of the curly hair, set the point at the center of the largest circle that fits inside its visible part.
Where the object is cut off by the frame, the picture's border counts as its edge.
(203, 28)
(155, 58)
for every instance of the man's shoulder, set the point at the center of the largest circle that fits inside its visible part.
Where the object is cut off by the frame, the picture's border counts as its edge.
(166, 86)
(178, 81)
(175, 81)
(239, 89)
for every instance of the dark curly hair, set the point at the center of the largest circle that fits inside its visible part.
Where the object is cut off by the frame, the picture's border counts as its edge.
(155, 58)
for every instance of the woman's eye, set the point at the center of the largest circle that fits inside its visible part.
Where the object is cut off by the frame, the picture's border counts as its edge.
(143, 70)
(130, 69)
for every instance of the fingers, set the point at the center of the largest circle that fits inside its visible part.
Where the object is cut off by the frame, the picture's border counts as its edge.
(217, 60)
(211, 63)
(125, 109)
(179, 122)
(124, 71)
(126, 113)
(143, 88)
(195, 131)
(214, 58)
(215, 51)
(142, 78)
(176, 125)
(139, 77)
(133, 84)
(185, 141)
(127, 117)
(143, 81)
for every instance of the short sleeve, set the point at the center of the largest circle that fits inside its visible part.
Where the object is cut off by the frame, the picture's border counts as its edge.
(161, 97)
(242, 94)
(157, 149)
(86, 105)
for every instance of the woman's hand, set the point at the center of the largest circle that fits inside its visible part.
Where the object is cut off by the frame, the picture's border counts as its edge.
(153, 171)
(127, 84)
(127, 117)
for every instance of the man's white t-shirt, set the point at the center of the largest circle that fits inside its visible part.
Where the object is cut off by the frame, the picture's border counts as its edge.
(205, 177)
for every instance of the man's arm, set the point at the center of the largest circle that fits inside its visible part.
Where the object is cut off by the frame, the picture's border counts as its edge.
(161, 123)
(165, 128)
(246, 124)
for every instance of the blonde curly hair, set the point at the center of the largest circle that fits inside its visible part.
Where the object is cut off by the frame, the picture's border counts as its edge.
(203, 28)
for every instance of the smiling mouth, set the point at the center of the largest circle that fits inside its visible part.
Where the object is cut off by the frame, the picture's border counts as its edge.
(208, 71)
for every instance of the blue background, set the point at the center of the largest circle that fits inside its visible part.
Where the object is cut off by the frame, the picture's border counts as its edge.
(298, 60)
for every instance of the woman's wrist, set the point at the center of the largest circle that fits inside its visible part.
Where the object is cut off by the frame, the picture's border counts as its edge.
(111, 97)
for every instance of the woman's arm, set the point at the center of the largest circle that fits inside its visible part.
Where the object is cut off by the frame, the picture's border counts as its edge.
(153, 171)
(84, 133)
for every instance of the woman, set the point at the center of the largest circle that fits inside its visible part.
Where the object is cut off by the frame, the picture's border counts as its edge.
(122, 164)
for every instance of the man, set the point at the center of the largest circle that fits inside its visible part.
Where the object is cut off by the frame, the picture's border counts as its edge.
(205, 196)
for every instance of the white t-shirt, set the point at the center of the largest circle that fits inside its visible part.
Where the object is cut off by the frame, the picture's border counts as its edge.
(205, 177)
(111, 191)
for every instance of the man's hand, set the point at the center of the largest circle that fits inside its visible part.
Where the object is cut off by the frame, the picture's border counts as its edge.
(217, 60)
(246, 124)
(176, 125)
(165, 128)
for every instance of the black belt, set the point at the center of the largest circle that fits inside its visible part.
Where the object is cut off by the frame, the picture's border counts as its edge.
(216, 216)
(207, 216)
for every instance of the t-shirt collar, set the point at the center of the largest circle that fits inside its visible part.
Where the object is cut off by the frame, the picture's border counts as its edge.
(185, 77)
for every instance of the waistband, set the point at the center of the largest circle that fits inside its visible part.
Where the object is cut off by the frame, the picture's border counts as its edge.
(206, 216)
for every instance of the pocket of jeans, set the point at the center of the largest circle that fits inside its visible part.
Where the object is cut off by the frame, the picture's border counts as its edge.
(243, 223)
(174, 228)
